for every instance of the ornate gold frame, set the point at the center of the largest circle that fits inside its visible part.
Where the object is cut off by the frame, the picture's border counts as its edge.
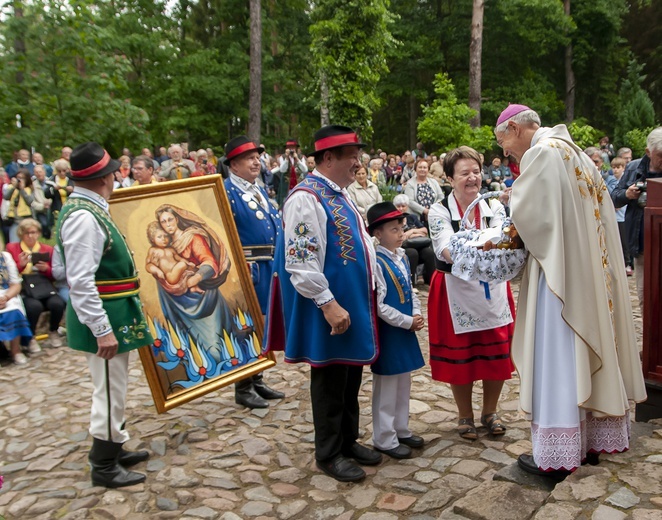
(127, 204)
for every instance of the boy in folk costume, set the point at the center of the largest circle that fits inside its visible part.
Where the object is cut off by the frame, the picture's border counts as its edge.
(399, 311)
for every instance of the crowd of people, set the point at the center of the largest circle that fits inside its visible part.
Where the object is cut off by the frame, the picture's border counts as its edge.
(320, 225)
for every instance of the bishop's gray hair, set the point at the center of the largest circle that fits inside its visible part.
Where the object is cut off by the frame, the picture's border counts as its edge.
(523, 118)
(654, 140)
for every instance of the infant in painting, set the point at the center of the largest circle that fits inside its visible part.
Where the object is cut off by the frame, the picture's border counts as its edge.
(163, 262)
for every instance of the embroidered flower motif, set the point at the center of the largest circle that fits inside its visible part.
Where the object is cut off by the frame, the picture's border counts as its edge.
(302, 248)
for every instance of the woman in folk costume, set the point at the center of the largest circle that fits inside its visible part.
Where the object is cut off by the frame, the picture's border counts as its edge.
(470, 322)
(574, 344)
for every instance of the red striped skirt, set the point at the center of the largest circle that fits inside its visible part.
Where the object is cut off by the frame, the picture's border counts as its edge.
(460, 359)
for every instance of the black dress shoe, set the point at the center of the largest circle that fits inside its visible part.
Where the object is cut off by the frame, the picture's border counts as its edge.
(592, 458)
(263, 390)
(527, 463)
(342, 469)
(399, 452)
(413, 442)
(362, 455)
(131, 458)
(245, 394)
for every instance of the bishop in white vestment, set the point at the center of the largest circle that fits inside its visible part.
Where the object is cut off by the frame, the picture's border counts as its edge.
(574, 343)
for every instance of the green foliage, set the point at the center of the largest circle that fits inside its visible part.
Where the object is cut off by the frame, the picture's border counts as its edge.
(149, 72)
(350, 39)
(446, 121)
(635, 106)
(67, 86)
(388, 191)
(636, 140)
(584, 135)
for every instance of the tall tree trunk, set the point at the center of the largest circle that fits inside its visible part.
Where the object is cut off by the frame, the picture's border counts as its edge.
(413, 115)
(570, 85)
(325, 118)
(475, 60)
(255, 90)
(19, 42)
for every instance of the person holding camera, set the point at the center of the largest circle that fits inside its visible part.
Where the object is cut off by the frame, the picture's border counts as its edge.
(292, 170)
(177, 167)
(25, 199)
(631, 192)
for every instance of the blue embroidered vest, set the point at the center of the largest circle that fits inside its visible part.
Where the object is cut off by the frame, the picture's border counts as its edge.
(399, 350)
(306, 335)
(259, 232)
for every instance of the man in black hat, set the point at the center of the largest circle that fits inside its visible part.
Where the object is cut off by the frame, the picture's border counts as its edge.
(105, 318)
(324, 285)
(260, 229)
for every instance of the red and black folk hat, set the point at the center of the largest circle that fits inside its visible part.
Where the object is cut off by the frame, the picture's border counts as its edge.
(291, 143)
(335, 136)
(239, 145)
(90, 161)
(381, 213)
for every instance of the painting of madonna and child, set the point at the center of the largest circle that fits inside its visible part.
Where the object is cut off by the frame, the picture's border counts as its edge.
(195, 288)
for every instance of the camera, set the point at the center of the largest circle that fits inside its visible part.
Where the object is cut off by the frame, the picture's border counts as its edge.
(643, 198)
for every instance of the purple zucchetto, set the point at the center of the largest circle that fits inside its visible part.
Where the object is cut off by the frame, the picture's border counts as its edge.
(510, 111)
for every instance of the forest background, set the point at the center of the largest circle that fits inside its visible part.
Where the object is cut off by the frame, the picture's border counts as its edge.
(136, 73)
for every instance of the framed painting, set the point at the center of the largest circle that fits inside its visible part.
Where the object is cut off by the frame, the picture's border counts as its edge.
(195, 288)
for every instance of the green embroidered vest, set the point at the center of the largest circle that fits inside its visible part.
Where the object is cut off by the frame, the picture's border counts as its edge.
(117, 281)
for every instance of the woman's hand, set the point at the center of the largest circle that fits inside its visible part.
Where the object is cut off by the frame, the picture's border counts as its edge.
(41, 266)
(23, 260)
(3, 301)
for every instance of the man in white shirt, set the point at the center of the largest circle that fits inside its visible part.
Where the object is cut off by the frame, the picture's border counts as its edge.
(105, 318)
(324, 287)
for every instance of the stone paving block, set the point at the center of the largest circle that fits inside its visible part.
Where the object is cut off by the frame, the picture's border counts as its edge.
(395, 502)
(495, 500)
(623, 498)
(287, 510)
(558, 511)
(432, 500)
(362, 498)
(646, 514)
(604, 512)
(643, 478)
(470, 468)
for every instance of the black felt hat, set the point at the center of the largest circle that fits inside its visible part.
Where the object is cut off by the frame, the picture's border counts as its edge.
(239, 145)
(381, 213)
(335, 136)
(90, 161)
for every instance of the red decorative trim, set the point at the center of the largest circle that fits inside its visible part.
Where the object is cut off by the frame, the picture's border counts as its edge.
(291, 143)
(389, 216)
(120, 287)
(246, 147)
(336, 140)
(90, 170)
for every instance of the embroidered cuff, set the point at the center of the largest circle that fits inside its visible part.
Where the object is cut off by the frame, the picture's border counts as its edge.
(101, 328)
(323, 298)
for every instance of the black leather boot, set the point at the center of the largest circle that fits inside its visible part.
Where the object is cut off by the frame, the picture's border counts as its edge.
(106, 471)
(263, 390)
(131, 458)
(245, 395)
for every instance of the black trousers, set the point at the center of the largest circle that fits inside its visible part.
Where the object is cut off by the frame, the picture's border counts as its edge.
(334, 391)
(424, 256)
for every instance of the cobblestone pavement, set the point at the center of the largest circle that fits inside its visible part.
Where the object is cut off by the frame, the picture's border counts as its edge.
(211, 459)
